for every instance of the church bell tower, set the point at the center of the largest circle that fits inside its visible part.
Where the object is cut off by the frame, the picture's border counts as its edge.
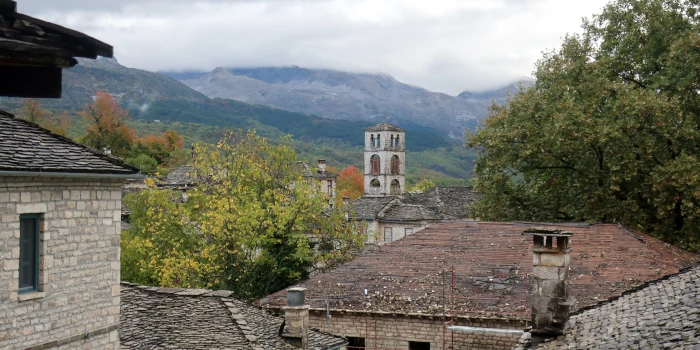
(385, 160)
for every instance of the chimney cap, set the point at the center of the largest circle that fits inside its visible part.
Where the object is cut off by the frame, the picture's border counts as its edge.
(539, 231)
(295, 296)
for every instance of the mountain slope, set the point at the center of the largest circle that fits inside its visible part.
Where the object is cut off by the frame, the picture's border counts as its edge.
(338, 95)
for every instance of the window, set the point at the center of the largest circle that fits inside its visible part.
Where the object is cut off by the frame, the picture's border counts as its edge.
(409, 231)
(395, 187)
(330, 187)
(395, 164)
(396, 141)
(374, 183)
(28, 253)
(379, 142)
(374, 163)
(387, 234)
(418, 345)
(371, 140)
(356, 343)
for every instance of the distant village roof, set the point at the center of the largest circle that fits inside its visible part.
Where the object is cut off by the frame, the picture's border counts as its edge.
(384, 127)
(308, 171)
(447, 201)
(182, 176)
(663, 314)
(176, 318)
(25, 146)
(438, 203)
(491, 262)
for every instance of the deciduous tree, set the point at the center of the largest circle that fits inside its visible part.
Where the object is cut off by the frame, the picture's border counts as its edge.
(254, 225)
(33, 112)
(351, 183)
(611, 130)
(107, 125)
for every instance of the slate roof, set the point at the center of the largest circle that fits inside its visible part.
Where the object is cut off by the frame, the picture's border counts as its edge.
(491, 262)
(367, 208)
(450, 202)
(663, 314)
(308, 171)
(384, 127)
(176, 318)
(182, 176)
(398, 211)
(25, 146)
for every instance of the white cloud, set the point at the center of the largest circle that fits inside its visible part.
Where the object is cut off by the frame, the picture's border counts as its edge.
(446, 45)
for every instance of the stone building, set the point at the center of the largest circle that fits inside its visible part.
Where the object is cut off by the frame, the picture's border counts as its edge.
(178, 318)
(59, 204)
(326, 180)
(59, 240)
(464, 285)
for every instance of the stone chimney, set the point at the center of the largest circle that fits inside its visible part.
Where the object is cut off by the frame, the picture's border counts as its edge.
(107, 150)
(548, 292)
(346, 200)
(322, 165)
(296, 318)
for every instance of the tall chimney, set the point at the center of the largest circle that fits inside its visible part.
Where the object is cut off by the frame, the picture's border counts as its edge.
(322, 165)
(549, 292)
(296, 318)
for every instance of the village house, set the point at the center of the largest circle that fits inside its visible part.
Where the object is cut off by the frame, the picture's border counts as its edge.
(386, 212)
(59, 204)
(464, 284)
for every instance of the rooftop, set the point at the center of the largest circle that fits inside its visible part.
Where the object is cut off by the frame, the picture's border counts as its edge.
(25, 146)
(182, 176)
(491, 261)
(664, 312)
(384, 127)
(449, 202)
(176, 318)
(308, 171)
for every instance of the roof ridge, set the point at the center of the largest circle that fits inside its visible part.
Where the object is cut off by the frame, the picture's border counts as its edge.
(108, 158)
(238, 319)
(191, 292)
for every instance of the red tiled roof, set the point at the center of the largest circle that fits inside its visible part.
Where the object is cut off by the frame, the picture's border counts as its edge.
(491, 262)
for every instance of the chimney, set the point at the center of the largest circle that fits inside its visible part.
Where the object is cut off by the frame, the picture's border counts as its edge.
(549, 292)
(322, 165)
(346, 200)
(296, 318)
(107, 150)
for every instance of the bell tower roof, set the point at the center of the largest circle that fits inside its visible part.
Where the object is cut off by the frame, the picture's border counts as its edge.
(384, 127)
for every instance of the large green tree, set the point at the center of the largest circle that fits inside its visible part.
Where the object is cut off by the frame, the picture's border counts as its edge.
(253, 225)
(611, 130)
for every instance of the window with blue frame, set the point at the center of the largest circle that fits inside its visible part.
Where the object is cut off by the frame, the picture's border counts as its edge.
(29, 253)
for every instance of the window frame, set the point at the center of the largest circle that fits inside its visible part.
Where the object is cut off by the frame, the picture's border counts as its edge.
(391, 234)
(37, 241)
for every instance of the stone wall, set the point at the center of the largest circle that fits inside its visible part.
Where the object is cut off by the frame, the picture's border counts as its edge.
(389, 332)
(77, 306)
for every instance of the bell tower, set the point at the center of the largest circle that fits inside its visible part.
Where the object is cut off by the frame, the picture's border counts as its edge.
(385, 160)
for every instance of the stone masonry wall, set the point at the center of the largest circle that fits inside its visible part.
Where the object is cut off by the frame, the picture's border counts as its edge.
(395, 331)
(77, 306)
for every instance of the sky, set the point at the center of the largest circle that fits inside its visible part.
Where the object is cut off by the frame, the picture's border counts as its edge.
(442, 45)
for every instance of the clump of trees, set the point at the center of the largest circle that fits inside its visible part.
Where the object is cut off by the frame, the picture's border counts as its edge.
(609, 133)
(107, 128)
(33, 112)
(254, 225)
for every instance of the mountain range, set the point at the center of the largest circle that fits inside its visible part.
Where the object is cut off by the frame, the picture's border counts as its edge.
(348, 96)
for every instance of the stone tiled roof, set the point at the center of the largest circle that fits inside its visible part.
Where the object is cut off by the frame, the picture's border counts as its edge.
(176, 318)
(447, 201)
(367, 208)
(27, 147)
(384, 127)
(491, 262)
(397, 211)
(181, 176)
(664, 314)
(308, 171)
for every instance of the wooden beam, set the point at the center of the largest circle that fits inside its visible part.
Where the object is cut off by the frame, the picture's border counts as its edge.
(30, 81)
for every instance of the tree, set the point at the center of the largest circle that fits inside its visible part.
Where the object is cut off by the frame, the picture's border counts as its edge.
(33, 112)
(351, 183)
(423, 185)
(254, 225)
(165, 149)
(107, 125)
(143, 162)
(610, 132)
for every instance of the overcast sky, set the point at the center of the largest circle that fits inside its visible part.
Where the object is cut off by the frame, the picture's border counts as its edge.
(441, 45)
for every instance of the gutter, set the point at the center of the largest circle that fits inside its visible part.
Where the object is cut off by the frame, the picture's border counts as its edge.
(71, 175)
